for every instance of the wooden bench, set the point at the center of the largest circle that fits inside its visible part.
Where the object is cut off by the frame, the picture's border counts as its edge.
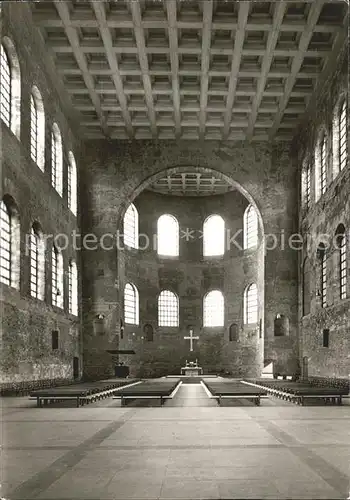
(161, 389)
(81, 394)
(298, 392)
(233, 389)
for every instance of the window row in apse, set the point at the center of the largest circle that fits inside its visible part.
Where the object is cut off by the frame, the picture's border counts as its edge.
(168, 307)
(10, 104)
(10, 257)
(214, 235)
(330, 155)
(339, 273)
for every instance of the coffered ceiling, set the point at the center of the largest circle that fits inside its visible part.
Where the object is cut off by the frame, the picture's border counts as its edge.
(189, 69)
(191, 183)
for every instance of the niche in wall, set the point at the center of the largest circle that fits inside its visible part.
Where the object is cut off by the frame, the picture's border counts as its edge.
(148, 333)
(54, 339)
(234, 333)
(326, 337)
(281, 326)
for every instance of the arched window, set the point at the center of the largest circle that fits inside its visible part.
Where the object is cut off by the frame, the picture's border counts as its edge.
(251, 227)
(57, 278)
(214, 309)
(168, 309)
(306, 287)
(131, 304)
(343, 134)
(341, 246)
(37, 263)
(340, 136)
(72, 183)
(131, 227)
(214, 236)
(168, 236)
(73, 288)
(37, 128)
(321, 158)
(5, 87)
(306, 178)
(10, 87)
(56, 159)
(251, 304)
(9, 243)
(322, 257)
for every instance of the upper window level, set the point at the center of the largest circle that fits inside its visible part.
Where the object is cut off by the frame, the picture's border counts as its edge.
(329, 158)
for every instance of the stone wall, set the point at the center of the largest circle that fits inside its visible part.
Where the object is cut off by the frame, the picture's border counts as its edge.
(27, 323)
(115, 173)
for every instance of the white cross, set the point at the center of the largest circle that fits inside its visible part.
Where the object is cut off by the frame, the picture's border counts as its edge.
(191, 338)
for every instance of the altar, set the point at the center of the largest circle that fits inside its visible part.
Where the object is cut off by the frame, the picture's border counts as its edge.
(192, 369)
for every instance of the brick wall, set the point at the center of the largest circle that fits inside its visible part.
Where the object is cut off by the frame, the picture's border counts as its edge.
(27, 323)
(323, 218)
(191, 276)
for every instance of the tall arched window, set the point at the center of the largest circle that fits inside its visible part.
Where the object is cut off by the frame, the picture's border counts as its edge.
(342, 262)
(6, 245)
(5, 87)
(214, 309)
(322, 257)
(168, 309)
(250, 227)
(168, 236)
(56, 159)
(343, 134)
(131, 227)
(37, 263)
(57, 278)
(72, 183)
(306, 178)
(9, 243)
(10, 87)
(321, 159)
(37, 128)
(73, 288)
(214, 236)
(306, 287)
(340, 135)
(251, 304)
(131, 304)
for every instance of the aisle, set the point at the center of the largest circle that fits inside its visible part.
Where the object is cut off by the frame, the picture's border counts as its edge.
(191, 395)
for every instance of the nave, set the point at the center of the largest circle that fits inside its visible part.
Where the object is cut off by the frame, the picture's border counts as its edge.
(190, 448)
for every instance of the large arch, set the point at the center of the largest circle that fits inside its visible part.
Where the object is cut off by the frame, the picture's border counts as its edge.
(148, 180)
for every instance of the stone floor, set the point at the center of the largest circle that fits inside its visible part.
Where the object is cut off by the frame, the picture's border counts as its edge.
(183, 450)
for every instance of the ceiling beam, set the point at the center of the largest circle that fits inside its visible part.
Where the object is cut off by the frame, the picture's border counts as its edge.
(205, 63)
(72, 35)
(174, 61)
(100, 13)
(305, 38)
(236, 61)
(141, 47)
(279, 11)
